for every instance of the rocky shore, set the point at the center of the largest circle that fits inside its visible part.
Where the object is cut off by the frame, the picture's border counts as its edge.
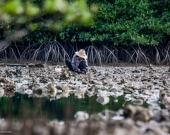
(131, 120)
(138, 84)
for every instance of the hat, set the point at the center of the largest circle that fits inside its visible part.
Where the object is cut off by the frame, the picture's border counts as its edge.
(81, 53)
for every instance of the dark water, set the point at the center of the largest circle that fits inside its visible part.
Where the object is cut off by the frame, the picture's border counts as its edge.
(22, 106)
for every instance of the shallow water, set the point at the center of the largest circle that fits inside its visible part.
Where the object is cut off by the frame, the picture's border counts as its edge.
(23, 106)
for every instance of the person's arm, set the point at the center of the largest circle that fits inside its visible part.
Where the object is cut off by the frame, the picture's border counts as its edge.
(86, 62)
(73, 62)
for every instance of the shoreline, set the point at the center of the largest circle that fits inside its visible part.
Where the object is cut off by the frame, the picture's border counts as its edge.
(119, 64)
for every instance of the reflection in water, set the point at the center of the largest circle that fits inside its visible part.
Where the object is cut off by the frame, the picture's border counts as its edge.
(22, 106)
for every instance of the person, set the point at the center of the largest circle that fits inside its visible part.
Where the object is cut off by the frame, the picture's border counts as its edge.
(79, 62)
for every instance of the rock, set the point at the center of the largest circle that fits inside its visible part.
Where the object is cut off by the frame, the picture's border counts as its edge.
(107, 81)
(146, 92)
(117, 118)
(103, 100)
(28, 91)
(90, 76)
(81, 116)
(1, 92)
(129, 111)
(40, 130)
(96, 82)
(98, 87)
(168, 70)
(56, 127)
(138, 113)
(38, 90)
(91, 91)
(143, 115)
(165, 100)
(155, 131)
(128, 90)
(52, 88)
(65, 75)
(165, 115)
(128, 97)
(107, 114)
(59, 86)
(136, 71)
(122, 81)
(65, 94)
(94, 69)
(3, 80)
(138, 101)
(43, 80)
(65, 88)
(80, 92)
(10, 86)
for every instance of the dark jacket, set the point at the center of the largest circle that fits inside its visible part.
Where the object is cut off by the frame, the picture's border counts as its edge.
(75, 62)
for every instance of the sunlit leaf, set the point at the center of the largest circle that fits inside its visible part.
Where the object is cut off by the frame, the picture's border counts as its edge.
(14, 7)
(31, 10)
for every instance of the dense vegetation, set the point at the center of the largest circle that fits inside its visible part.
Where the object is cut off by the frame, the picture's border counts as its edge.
(117, 22)
(125, 22)
(130, 30)
(20, 17)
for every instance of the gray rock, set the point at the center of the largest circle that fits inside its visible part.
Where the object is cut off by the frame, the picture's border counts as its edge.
(81, 116)
(103, 100)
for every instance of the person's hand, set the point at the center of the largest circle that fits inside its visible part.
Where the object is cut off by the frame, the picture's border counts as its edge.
(78, 70)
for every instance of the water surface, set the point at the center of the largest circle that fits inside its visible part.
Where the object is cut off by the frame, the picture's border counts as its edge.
(23, 106)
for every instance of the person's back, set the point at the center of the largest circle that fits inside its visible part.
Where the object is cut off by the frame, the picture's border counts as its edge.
(79, 62)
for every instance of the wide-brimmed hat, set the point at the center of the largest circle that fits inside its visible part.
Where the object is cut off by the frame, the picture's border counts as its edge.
(81, 53)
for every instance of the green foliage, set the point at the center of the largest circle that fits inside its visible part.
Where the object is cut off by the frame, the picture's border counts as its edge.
(34, 15)
(36, 37)
(124, 22)
(117, 22)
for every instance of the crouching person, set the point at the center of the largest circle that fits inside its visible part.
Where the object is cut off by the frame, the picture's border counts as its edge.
(79, 62)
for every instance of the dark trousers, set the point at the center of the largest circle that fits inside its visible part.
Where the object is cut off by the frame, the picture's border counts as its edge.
(82, 65)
